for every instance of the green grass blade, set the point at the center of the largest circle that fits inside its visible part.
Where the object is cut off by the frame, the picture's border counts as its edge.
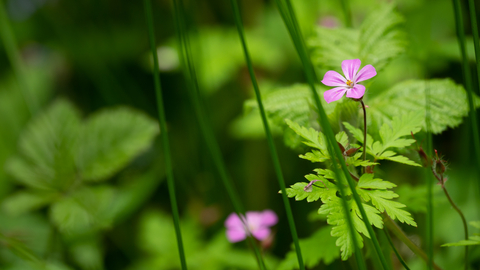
(164, 134)
(271, 145)
(476, 138)
(10, 44)
(333, 147)
(205, 128)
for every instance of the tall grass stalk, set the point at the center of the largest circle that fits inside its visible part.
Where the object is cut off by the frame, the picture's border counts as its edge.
(347, 13)
(271, 144)
(11, 48)
(476, 137)
(333, 148)
(188, 68)
(399, 257)
(467, 73)
(164, 133)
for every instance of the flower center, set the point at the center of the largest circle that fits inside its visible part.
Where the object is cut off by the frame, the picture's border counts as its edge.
(349, 83)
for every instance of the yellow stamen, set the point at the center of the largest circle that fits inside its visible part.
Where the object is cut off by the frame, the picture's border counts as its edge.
(349, 83)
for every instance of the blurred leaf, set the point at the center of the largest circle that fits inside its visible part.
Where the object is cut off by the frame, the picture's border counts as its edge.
(46, 149)
(87, 253)
(447, 103)
(378, 40)
(312, 252)
(25, 201)
(110, 139)
(86, 208)
(472, 240)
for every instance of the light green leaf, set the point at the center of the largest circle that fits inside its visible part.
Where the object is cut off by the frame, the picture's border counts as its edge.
(448, 103)
(342, 138)
(400, 126)
(401, 159)
(473, 240)
(110, 139)
(85, 209)
(367, 181)
(321, 190)
(315, 156)
(475, 224)
(26, 201)
(47, 149)
(311, 137)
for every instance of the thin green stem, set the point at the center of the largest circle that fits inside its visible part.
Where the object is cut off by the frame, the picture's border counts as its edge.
(205, 128)
(364, 133)
(164, 134)
(467, 73)
(399, 257)
(465, 227)
(271, 145)
(476, 136)
(393, 227)
(10, 44)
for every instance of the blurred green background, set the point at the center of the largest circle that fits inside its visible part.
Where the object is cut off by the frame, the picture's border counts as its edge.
(82, 179)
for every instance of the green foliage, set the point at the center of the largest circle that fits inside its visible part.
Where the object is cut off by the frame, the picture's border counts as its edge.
(370, 189)
(317, 248)
(378, 40)
(391, 137)
(59, 154)
(447, 101)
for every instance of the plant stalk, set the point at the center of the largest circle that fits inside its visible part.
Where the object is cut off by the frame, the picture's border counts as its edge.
(465, 227)
(403, 237)
(364, 133)
(164, 135)
(399, 257)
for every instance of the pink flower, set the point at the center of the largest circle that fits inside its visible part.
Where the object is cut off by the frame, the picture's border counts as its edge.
(348, 83)
(258, 224)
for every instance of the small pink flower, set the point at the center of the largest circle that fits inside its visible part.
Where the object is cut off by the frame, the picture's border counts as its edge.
(349, 82)
(258, 224)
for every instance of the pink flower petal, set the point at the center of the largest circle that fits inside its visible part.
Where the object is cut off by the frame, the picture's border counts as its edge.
(333, 78)
(236, 234)
(356, 92)
(261, 233)
(350, 68)
(365, 73)
(269, 218)
(334, 94)
(233, 221)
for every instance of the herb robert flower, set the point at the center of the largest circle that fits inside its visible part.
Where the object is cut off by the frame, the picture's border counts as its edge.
(256, 223)
(348, 83)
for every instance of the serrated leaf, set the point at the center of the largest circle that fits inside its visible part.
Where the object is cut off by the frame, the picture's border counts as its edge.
(367, 181)
(401, 159)
(400, 126)
(447, 99)
(112, 138)
(342, 138)
(312, 252)
(378, 40)
(381, 200)
(315, 156)
(322, 189)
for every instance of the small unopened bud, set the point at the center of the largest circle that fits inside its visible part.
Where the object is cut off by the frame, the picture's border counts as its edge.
(439, 165)
(350, 152)
(341, 147)
(421, 153)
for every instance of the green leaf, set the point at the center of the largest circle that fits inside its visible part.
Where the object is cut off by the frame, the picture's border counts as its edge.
(111, 138)
(447, 101)
(311, 137)
(400, 126)
(85, 209)
(312, 252)
(47, 149)
(475, 224)
(323, 189)
(473, 240)
(26, 201)
(381, 200)
(342, 138)
(336, 217)
(378, 40)
(366, 181)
